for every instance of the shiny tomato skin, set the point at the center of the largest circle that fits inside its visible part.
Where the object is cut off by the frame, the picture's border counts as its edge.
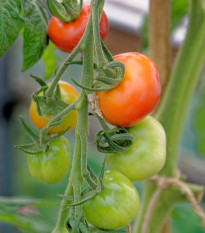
(137, 94)
(146, 156)
(116, 206)
(67, 35)
(51, 166)
(68, 94)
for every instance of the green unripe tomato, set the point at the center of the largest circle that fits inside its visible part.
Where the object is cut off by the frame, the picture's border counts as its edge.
(116, 206)
(51, 166)
(147, 154)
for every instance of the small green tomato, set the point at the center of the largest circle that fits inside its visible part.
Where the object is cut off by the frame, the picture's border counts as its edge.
(51, 166)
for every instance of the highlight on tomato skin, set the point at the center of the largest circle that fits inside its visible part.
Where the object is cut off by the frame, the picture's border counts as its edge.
(51, 166)
(67, 35)
(68, 94)
(116, 206)
(136, 96)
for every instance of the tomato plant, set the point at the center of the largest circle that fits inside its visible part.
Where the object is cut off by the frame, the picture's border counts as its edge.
(67, 35)
(128, 89)
(68, 94)
(147, 154)
(51, 166)
(116, 206)
(137, 94)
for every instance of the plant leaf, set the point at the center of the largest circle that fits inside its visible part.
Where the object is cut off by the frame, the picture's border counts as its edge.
(35, 31)
(22, 213)
(50, 60)
(11, 23)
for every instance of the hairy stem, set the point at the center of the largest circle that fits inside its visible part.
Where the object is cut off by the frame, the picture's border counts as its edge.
(101, 59)
(74, 177)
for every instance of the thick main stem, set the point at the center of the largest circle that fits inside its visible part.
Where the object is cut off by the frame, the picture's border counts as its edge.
(79, 167)
(172, 110)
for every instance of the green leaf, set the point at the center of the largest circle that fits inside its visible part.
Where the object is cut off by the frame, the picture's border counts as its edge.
(50, 60)
(11, 23)
(35, 31)
(24, 214)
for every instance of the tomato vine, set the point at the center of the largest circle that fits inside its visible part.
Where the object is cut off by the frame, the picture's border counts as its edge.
(125, 90)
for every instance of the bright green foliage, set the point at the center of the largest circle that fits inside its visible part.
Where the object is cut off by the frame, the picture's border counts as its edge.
(11, 23)
(35, 31)
(50, 60)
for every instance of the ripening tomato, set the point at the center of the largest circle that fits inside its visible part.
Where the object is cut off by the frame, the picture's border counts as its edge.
(146, 156)
(67, 35)
(68, 94)
(116, 206)
(137, 94)
(51, 166)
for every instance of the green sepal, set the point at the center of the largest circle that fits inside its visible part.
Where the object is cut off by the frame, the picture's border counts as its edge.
(40, 81)
(89, 193)
(116, 140)
(104, 87)
(36, 146)
(32, 148)
(107, 52)
(58, 10)
(63, 11)
(77, 224)
(48, 105)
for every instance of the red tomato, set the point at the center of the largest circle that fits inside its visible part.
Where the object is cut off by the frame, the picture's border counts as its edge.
(137, 94)
(67, 35)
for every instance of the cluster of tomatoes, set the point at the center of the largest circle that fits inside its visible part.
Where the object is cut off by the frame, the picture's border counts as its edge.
(126, 105)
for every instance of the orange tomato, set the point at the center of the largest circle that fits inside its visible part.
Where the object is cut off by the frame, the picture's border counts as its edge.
(68, 94)
(137, 94)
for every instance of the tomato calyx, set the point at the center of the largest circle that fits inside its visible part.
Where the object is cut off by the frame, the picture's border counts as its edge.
(36, 146)
(89, 192)
(51, 105)
(64, 10)
(109, 77)
(115, 140)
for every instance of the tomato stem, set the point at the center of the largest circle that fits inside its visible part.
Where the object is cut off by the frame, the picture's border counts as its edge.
(72, 188)
(76, 179)
(87, 80)
(103, 123)
(101, 59)
(79, 167)
(57, 119)
(79, 47)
